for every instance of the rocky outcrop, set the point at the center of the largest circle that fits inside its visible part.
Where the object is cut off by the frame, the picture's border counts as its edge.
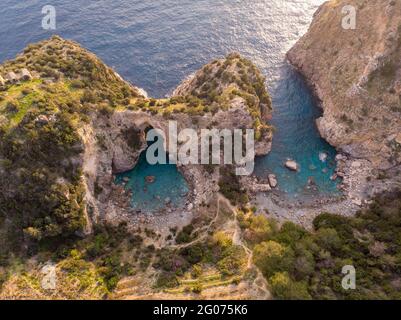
(79, 124)
(109, 139)
(356, 74)
(237, 85)
(291, 165)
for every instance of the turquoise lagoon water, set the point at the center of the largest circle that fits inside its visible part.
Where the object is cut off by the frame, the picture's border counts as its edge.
(169, 185)
(156, 44)
(297, 138)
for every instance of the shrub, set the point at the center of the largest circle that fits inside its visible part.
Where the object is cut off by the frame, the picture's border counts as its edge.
(166, 280)
(184, 236)
(12, 106)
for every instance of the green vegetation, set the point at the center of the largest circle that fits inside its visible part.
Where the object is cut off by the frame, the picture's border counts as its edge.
(222, 81)
(216, 252)
(41, 189)
(43, 212)
(210, 259)
(91, 266)
(185, 235)
(299, 264)
(230, 186)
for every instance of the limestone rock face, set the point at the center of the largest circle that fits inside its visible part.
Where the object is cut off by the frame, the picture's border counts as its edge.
(356, 75)
(236, 109)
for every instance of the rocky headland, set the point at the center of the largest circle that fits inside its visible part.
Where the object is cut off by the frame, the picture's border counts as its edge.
(225, 94)
(73, 124)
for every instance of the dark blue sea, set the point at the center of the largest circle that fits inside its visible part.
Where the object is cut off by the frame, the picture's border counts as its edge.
(156, 44)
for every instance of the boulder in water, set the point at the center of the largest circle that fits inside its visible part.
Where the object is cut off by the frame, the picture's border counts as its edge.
(292, 165)
(126, 179)
(311, 185)
(311, 181)
(323, 156)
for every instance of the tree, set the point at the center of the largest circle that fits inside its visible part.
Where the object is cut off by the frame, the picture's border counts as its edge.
(272, 257)
(284, 288)
(260, 228)
(328, 239)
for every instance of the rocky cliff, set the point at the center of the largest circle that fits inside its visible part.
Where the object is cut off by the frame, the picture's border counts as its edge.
(356, 74)
(68, 124)
(75, 123)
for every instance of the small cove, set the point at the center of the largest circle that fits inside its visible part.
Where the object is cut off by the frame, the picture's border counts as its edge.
(297, 138)
(154, 187)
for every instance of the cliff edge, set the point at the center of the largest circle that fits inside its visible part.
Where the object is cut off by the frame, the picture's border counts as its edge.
(356, 74)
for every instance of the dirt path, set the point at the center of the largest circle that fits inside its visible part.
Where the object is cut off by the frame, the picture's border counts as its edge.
(205, 229)
(259, 281)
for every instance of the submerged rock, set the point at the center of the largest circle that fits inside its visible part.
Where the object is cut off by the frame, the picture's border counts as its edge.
(150, 179)
(311, 181)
